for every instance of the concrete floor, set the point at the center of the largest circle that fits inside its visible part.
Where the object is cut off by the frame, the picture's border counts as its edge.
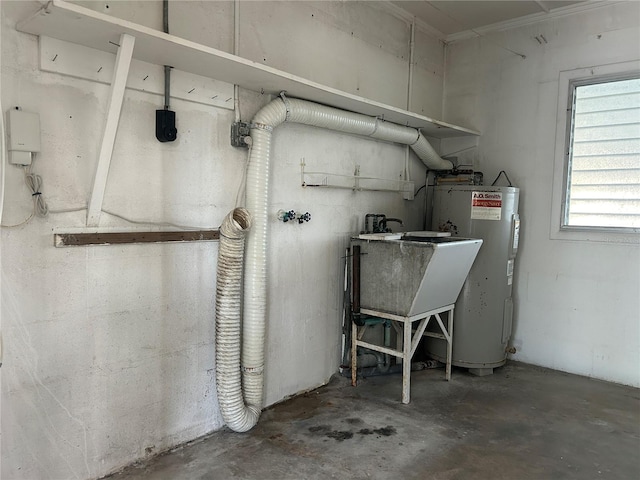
(521, 423)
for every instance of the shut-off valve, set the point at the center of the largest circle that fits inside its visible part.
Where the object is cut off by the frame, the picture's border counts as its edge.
(291, 216)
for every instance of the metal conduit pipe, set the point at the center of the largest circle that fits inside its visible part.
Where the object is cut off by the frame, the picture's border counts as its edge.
(278, 111)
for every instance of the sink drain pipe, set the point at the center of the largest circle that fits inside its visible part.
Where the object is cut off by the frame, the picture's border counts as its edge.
(241, 415)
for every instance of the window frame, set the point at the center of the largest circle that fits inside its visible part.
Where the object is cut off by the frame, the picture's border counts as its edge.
(568, 81)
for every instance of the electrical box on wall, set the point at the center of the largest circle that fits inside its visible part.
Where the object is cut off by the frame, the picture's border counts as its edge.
(166, 126)
(23, 136)
(239, 133)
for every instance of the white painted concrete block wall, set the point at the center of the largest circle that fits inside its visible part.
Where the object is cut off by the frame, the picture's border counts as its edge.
(577, 306)
(109, 350)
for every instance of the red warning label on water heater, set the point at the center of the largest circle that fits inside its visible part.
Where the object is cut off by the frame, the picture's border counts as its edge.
(486, 205)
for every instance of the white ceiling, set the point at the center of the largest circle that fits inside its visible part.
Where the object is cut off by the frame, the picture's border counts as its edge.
(455, 16)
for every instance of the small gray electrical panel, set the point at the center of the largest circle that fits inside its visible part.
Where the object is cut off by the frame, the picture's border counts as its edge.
(239, 130)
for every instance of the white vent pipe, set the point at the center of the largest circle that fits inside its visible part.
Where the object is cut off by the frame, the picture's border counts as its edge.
(228, 297)
(238, 416)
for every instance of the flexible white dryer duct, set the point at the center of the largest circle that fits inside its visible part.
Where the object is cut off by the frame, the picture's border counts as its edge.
(228, 297)
(238, 416)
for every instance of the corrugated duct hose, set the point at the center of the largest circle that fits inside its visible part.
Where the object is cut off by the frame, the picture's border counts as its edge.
(228, 297)
(237, 415)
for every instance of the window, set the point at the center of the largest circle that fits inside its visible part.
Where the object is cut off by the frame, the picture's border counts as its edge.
(602, 155)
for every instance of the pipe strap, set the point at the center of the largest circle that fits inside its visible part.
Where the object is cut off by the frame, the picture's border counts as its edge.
(417, 138)
(263, 126)
(375, 127)
(252, 370)
(287, 106)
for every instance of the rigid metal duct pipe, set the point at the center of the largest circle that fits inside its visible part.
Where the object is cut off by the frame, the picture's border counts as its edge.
(269, 117)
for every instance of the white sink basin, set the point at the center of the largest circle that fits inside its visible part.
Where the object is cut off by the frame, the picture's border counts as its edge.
(413, 275)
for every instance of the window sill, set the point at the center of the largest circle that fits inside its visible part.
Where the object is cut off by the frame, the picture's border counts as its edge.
(596, 234)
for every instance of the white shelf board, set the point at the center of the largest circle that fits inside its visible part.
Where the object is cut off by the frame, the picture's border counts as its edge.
(76, 24)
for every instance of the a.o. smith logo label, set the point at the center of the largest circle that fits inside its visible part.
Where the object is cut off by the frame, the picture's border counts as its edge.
(486, 205)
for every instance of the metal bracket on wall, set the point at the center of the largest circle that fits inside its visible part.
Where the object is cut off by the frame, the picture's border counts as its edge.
(355, 182)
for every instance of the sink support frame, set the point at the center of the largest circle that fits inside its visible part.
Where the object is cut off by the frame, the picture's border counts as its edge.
(409, 343)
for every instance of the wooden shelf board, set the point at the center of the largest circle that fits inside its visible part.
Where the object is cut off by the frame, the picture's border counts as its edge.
(80, 25)
(119, 238)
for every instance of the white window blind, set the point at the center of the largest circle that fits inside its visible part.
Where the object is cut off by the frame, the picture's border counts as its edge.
(603, 175)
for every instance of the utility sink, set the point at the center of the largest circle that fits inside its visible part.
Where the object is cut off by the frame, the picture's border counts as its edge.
(414, 274)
